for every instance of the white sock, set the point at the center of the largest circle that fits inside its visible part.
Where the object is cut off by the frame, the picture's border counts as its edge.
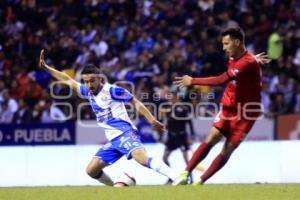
(105, 179)
(160, 167)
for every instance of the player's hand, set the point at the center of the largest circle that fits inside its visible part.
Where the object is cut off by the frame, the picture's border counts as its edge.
(183, 81)
(159, 127)
(262, 58)
(42, 63)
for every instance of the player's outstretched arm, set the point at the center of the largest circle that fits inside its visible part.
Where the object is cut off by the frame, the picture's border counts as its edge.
(159, 127)
(209, 81)
(57, 74)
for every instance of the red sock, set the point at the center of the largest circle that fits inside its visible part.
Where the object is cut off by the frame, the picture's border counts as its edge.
(198, 156)
(216, 165)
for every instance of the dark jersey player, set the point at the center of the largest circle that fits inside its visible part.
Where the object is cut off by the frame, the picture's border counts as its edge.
(178, 118)
(240, 105)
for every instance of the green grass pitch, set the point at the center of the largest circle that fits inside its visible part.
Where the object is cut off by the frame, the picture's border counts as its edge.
(205, 192)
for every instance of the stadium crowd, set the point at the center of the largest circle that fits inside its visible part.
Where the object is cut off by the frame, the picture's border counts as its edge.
(145, 42)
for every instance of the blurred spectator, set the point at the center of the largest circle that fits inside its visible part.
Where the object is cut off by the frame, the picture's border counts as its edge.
(144, 43)
(4, 62)
(275, 44)
(51, 113)
(23, 81)
(99, 46)
(297, 99)
(206, 4)
(6, 114)
(23, 115)
(296, 60)
(2, 88)
(263, 29)
(278, 106)
(284, 85)
(33, 92)
(265, 97)
(84, 112)
(12, 105)
(15, 90)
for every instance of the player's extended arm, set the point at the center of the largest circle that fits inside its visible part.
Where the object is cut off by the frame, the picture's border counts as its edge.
(210, 81)
(57, 74)
(141, 108)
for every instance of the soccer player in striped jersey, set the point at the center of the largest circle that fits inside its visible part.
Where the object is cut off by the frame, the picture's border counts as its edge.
(107, 102)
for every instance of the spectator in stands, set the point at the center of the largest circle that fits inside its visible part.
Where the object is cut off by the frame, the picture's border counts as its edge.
(52, 113)
(275, 44)
(278, 106)
(23, 114)
(297, 99)
(265, 97)
(6, 113)
(2, 88)
(33, 92)
(11, 103)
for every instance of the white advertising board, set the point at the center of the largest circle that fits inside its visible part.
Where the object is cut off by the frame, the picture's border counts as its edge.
(253, 162)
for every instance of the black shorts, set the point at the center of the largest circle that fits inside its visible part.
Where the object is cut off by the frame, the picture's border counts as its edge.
(177, 140)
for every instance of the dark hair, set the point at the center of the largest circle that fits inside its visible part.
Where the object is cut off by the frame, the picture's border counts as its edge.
(91, 69)
(235, 33)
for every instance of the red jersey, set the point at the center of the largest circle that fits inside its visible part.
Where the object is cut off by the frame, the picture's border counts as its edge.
(245, 83)
(243, 79)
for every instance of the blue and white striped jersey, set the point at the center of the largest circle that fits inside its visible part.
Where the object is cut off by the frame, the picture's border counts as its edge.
(108, 106)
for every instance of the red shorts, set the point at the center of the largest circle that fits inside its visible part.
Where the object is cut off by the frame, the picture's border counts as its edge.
(235, 128)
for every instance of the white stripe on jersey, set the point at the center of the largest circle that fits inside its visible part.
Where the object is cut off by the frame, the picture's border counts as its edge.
(108, 106)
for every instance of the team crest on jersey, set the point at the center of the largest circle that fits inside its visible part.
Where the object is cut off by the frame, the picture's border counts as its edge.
(234, 72)
(105, 92)
(105, 97)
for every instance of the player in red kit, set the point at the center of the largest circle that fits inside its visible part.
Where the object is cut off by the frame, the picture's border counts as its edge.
(240, 105)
